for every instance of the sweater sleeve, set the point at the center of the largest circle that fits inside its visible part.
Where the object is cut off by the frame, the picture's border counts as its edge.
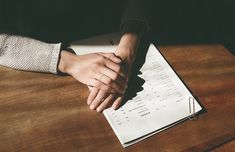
(28, 54)
(135, 16)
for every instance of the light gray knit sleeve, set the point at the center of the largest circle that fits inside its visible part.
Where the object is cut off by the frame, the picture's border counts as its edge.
(28, 54)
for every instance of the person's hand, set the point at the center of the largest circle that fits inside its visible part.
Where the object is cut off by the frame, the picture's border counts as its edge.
(99, 100)
(99, 70)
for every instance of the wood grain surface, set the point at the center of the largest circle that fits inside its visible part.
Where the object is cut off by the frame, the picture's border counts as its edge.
(45, 112)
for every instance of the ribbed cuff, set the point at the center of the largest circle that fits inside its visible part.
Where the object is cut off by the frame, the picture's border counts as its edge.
(134, 26)
(55, 58)
(3, 44)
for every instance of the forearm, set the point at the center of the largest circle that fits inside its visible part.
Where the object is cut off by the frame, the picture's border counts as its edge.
(128, 46)
(131, 39)
(28, 54)
(134, 26)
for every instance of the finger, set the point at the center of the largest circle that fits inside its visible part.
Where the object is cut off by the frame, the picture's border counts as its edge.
(108, 81)
(90, 88)
(117, 102)
(98, 99)
(119, 86)
(114, 76)
(117, 68)
(92, 95)
(110, 63)
(96, 83)
(121, 70)
(112, 57)
(106, 103)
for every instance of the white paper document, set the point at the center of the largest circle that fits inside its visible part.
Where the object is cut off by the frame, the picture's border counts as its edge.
(163, 102)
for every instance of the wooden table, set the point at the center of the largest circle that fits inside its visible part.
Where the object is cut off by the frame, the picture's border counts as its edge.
(45, 112)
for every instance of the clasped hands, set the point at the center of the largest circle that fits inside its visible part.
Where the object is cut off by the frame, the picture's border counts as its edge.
(116, 82)
(106, 74)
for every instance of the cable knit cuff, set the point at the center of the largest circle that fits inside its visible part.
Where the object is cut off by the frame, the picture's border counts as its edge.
(28, 54)
(55, 59)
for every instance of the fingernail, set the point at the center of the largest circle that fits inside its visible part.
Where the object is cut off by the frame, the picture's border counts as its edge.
(88, 102)
(98, 110)
(92, 107)
(114, 107)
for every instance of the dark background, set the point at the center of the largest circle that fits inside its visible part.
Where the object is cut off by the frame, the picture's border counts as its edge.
(171, 21)
(193, 21)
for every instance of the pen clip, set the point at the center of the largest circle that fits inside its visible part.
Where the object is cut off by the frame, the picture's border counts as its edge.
(192, 113)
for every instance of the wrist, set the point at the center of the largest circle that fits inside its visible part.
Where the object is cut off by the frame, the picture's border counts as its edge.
(65, 62)
(129, 40)
(125, 53)
(127, 47)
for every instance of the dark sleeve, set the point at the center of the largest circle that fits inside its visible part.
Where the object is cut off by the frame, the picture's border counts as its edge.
(135, 17)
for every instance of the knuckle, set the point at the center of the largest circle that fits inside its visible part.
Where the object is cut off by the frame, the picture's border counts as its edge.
(102, 58)
(119, 69)
(96, 56)
(90, 82)
(109, 81)
(103, 87)
(108, 89)
(98, 84)
(115, 77)
(112, 55)
(95, 67)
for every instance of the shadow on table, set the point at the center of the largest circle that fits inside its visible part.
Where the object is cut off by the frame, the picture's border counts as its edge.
(135, 82)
